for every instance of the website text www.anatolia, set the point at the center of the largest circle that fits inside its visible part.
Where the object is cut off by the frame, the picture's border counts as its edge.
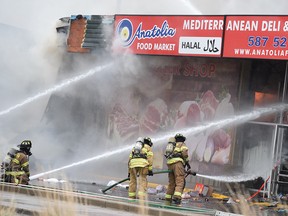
(261, 52)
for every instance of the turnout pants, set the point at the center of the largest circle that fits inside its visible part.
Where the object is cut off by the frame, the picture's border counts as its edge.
(139, 173)
(176, 181)
(17, 179)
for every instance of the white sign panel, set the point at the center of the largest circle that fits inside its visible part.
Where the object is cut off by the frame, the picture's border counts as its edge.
(200, 45)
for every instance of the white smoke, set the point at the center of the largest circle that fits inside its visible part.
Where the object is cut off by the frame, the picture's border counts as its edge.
(30, 56)
(28, 64)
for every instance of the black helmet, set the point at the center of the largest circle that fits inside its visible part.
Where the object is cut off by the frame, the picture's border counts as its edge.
(147, 140)
(180, 138)
(25, 146)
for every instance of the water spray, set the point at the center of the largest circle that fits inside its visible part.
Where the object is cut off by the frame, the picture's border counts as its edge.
(236, 178)
(235, 120)
(58, 87)
(123, 149)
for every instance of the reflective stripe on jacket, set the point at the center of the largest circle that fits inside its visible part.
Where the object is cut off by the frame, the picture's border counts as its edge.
(180, 149)
(16, 173)
(142, 162)
(19, 165)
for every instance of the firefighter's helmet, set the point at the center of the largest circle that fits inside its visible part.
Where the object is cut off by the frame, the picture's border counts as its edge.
(25, 146)
(148, 141)
(180, 138)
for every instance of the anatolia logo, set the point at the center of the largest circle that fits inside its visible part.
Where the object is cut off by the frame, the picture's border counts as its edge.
(125, 32)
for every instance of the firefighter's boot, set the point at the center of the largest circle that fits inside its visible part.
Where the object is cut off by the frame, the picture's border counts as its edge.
(177, 201)
(168, 201)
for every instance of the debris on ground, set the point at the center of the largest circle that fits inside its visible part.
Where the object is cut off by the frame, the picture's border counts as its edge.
(52, 180)
(110, 183)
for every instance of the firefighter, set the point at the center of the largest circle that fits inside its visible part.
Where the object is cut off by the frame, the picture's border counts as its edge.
(140, 165)
(6, 163)
(177, 159)
(18, 170)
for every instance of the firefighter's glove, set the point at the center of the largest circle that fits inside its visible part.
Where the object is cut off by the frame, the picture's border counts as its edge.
(129, 175)
(150, 173)
(188, 167)
(193, 173)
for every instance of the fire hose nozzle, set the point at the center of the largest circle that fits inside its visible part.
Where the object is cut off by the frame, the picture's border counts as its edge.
(189, 172)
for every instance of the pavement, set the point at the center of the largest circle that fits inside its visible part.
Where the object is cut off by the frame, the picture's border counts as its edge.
(33, 200)
(115, 199)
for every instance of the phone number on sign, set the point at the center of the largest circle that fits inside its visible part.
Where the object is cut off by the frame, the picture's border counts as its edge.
(261, 41)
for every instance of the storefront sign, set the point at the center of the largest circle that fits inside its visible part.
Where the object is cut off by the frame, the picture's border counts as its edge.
(170, 35)
(263, 37)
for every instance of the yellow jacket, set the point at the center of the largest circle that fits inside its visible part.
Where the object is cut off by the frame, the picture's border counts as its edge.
(181, 154)
(19, 165)
(145, 161)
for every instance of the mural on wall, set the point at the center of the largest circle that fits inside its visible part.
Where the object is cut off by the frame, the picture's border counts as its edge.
(193, 92)
(210, 145)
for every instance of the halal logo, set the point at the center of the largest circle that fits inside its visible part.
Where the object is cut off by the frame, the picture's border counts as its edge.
(125, 32)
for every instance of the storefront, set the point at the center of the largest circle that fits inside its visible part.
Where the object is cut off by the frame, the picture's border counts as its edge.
(192, 70)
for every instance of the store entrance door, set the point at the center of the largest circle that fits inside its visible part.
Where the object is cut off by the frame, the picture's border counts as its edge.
(279, 181)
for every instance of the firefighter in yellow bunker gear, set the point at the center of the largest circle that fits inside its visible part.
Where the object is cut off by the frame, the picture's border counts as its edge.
(18, 170)
(177, 159)
(140, 165)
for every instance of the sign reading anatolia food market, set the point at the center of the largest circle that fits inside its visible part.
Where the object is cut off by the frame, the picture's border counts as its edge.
(262, 37)
(170, 35)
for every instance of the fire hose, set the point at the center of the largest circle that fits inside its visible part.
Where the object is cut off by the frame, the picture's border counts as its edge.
(155, 172)
(262, 186)
(259, 190)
